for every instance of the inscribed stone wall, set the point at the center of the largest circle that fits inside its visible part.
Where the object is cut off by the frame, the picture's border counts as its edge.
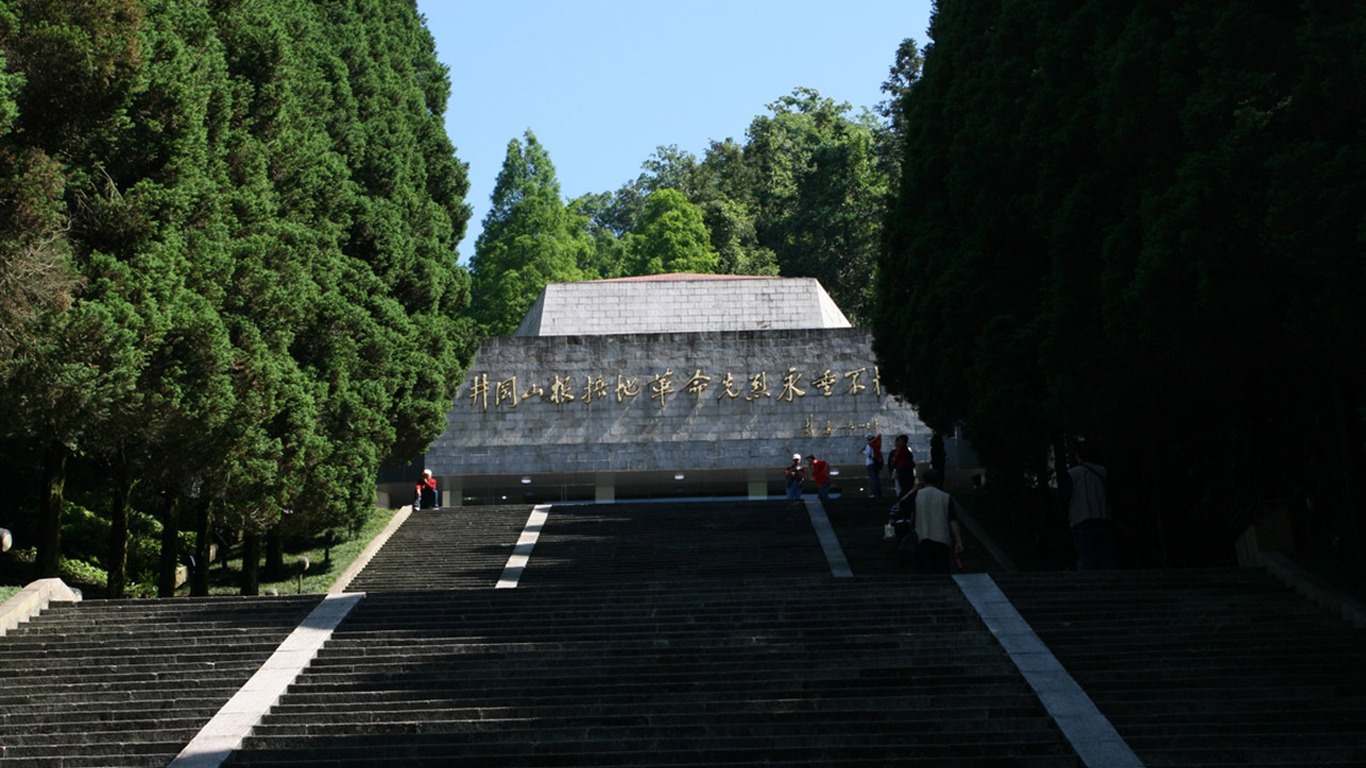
(713, 400)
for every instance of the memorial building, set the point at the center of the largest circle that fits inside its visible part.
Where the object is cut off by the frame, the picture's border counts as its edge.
(667, 386)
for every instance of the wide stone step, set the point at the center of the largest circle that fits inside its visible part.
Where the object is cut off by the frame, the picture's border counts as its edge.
(94, 741)
(105, 720)
(646, 750)
(1206, 667)
(75, 700)
(719, 725)
(895, 709)
(918, 701)
(48, 665)
(129, 682)
(646, 666)
(664, 692)
(437, 756)
(113, 752)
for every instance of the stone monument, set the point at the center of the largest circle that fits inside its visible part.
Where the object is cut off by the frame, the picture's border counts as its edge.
(667, 386)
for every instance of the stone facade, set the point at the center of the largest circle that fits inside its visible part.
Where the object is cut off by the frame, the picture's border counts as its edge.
(713, 410)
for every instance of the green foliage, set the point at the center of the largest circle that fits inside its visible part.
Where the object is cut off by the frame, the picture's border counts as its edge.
(82, 575)
(531, 238)
(670, 236)
(327, 562)
(1140, 226)
(803, 197)
(234, 241)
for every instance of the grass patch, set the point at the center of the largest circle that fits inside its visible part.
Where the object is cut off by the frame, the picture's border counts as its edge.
(325, 563)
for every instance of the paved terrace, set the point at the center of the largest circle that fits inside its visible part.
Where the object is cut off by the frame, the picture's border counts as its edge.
(724, 633)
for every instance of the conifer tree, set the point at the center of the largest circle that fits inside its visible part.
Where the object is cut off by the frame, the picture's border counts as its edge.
(530, 239)
(246, 215)
(1106, 226)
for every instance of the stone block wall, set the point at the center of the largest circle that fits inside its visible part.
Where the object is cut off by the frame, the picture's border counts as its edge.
(669, 401)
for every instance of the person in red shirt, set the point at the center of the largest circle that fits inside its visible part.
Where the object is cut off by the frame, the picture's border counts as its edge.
(426, 492)
(902, 462)
(820, 473)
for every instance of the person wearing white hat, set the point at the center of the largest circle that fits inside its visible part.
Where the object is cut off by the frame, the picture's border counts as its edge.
(794, 473)
(426, 492)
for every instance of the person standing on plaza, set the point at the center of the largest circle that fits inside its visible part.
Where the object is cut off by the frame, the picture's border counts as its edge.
(1088, 513)
(936, 525)
(794, 474)
(820, 475)
(902, 462)
(872, 457)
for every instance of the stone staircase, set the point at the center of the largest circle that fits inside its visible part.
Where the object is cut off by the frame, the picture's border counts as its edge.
(1206, 667)
(729, 540)
(463, 548)
(793, 671)
(129, 682)
(701, 634)
(858, 523)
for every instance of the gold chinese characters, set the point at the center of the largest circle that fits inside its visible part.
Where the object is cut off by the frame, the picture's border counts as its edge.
(485, 391)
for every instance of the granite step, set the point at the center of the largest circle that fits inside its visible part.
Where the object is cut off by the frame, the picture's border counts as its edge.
(449, 548)
(118, 683)
(793, 670)
(1206, 667)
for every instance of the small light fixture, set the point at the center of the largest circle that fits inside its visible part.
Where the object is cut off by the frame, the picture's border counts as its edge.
(834, 473)
(526, 480)
(678, 476)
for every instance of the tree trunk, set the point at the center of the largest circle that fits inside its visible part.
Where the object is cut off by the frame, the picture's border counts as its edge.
(1349, 510)
(170, 545)
(251, 564)
(199, 580)
(49, 544)
(117, 565)
(275, 554)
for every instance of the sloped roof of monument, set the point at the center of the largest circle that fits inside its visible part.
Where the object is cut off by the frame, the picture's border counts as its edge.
(677, 277)
(681, 303)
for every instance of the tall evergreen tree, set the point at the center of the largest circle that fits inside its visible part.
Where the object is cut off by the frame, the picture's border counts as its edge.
(1105, 227)
(246, 215)
(530, 239)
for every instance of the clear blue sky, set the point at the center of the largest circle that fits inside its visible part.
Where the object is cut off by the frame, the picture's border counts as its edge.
(602, 83)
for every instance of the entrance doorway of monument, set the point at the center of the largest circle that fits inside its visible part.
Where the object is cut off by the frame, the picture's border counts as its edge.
(606, 487)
